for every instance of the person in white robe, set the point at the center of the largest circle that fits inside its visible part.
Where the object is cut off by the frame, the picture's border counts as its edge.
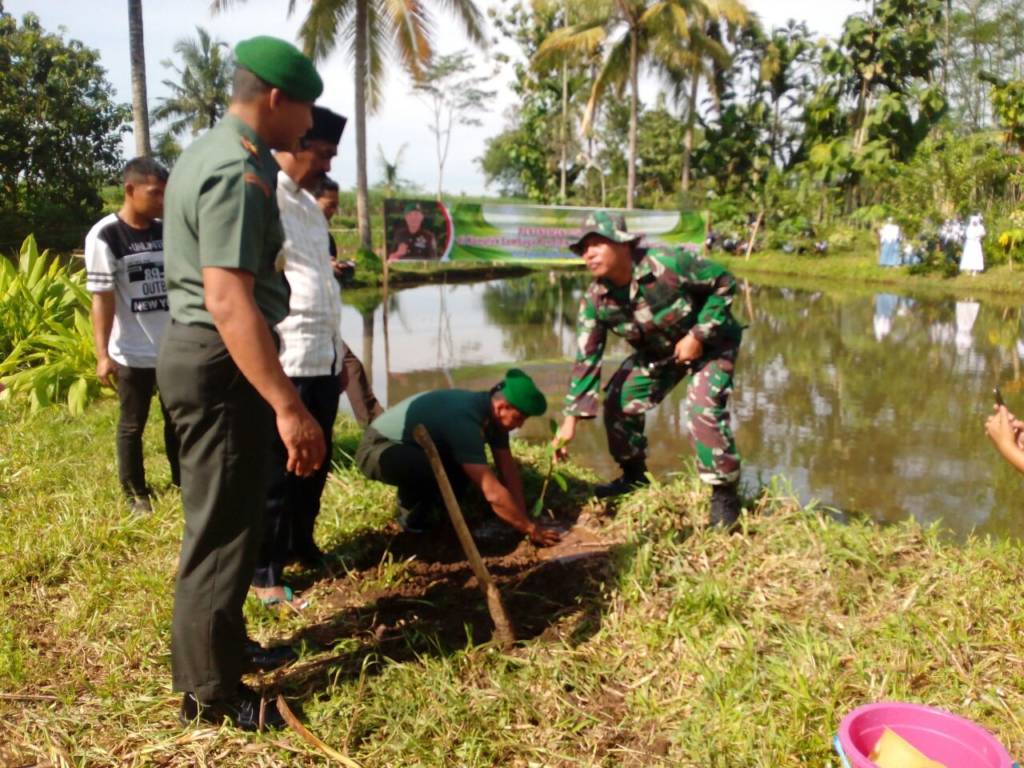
(889, 237)
(973, 259)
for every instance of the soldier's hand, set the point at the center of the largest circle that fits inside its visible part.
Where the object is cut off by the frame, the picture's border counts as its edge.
(106, 372)
(689, 348)
(543, 537)
(303, 439)
(565, 435)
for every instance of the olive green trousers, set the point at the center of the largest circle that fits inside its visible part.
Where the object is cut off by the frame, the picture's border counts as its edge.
(225, 429)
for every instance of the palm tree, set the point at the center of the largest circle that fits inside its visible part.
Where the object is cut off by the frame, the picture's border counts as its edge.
(683, 69)
(785, 54)
(373, 31)
(632, 32)
(392, 182)
(140, 109)
(201, 96)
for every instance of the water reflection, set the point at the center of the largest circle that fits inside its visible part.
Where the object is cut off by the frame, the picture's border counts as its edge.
(868, 402)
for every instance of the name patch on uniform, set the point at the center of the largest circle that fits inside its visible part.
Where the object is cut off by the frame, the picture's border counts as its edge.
(252, 178)
(250, 148)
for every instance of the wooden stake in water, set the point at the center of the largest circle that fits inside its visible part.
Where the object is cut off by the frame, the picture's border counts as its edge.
(503, 631)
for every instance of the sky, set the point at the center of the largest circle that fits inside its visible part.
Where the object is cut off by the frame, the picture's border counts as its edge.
(403, 119)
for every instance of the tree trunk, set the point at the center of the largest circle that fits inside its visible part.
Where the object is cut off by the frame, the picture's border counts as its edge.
(565, 132)
(140, 108)
(634, 106)
(861, 115)
(362, 189)
(691, 120)
(946, 52)
(776, 130)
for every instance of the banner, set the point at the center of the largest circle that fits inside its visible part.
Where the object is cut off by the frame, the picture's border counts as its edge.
(426, 230)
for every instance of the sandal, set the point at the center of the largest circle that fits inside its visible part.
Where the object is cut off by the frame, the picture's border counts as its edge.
(288, 599)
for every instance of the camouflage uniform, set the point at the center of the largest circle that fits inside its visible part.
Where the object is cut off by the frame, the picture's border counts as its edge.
(672, 293)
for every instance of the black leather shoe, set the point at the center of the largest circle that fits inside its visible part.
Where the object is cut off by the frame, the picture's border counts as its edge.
(265, 659)
(725, 507)
(242, 711)
(634, 476)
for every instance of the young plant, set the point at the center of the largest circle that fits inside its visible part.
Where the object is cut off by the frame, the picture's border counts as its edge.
(552, 473)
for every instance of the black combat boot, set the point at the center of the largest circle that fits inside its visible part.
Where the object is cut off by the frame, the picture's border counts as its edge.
(634, 475)
(725, 507)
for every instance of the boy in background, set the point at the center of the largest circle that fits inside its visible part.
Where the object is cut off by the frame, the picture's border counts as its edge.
(124, 262)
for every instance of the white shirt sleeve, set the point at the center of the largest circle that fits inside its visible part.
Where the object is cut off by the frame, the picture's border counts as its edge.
(99, 262)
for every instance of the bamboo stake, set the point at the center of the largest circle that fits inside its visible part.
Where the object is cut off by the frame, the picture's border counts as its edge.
(503, 631)
(753, 237)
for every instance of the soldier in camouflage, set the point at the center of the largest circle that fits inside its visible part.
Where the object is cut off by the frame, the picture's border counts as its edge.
(673, 309)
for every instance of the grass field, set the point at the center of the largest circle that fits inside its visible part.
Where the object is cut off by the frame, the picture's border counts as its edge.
(668, 645)
(862, 269)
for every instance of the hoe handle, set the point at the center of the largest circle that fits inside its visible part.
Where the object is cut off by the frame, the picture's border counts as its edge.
(503, 631)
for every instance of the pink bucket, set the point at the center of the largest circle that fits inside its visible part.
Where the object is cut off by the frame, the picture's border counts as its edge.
(939, 735)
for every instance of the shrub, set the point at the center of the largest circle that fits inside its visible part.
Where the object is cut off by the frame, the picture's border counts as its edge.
(46, 348)
(844, 237)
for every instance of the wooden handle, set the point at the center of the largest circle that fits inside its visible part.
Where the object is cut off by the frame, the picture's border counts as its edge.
(503, 631)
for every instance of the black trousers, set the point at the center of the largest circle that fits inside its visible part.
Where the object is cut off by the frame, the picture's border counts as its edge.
(406, 466)
(135, 387)
(293, 502)
(226, 430)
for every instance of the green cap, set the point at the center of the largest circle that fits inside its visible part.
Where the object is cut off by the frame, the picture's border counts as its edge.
(410, 207)
(282, 65)
(522, 394)
(611, 226)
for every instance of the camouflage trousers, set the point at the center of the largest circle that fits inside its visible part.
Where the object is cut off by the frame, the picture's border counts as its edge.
(637, 387)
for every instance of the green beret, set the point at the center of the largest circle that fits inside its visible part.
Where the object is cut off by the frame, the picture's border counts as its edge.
(282, 65)
(522, 394)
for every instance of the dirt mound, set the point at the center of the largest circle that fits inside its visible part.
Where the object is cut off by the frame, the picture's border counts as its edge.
(420, 596)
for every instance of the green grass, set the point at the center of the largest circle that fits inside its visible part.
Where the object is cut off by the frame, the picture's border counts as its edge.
(861, 268)
(685, 648)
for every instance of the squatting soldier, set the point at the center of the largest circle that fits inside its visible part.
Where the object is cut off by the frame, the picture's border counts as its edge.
(460, 423)
(219, 371)
(673, 309)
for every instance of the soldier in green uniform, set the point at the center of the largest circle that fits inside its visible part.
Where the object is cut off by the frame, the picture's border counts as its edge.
(411, 240)
(674, 310)
(218, 368)
(460, 423)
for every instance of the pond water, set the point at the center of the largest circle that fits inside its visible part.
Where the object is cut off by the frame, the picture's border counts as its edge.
(869, 402)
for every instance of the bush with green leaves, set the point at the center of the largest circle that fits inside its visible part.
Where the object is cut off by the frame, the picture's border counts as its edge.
(46, 346)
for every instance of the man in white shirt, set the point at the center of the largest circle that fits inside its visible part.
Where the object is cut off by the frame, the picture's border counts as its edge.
(354, 381)
(311, 352)
(124, 262)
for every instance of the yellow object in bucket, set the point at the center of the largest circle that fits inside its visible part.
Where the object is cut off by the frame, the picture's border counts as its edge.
(893, 751)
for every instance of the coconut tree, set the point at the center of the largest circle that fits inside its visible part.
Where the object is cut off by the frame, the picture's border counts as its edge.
(374, 32)
(199, 97)
(391, 181)
(683, 68)
(631, 33)
(137, 48)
